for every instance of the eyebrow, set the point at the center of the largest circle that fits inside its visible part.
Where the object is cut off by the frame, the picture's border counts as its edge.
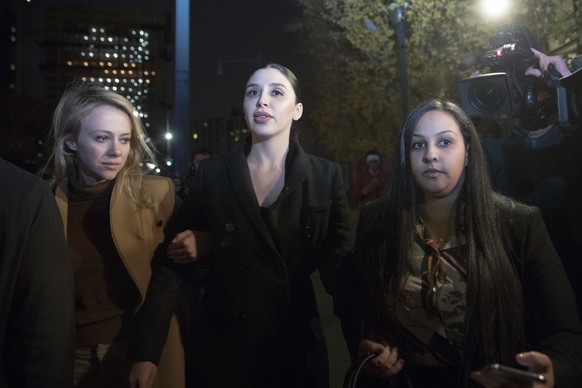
(109, 132)
(436, 134)
(274, 84)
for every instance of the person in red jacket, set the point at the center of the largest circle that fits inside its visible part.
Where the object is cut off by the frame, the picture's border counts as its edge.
(371, 182)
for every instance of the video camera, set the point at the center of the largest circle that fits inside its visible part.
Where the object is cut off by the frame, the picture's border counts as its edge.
(507, 91)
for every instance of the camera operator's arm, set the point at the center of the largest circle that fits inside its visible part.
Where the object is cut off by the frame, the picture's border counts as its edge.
(544, 63)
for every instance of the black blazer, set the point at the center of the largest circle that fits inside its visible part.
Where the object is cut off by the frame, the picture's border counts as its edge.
(551, 320)
(257, 324)
(36, 285)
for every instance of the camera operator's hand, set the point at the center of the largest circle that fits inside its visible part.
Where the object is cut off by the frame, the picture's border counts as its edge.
(544, 65)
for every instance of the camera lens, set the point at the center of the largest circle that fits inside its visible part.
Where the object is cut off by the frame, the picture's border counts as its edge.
(487, 96)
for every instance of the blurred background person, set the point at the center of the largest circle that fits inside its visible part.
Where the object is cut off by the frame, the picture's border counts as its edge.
(198, 154)
(372, 180)
(534, 163)
(114, 216)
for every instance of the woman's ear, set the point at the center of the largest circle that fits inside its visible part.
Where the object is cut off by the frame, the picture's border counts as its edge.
(72, 145)
(298, 111)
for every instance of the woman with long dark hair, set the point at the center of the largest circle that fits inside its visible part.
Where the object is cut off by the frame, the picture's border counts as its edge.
(456, 276)
(276, 214)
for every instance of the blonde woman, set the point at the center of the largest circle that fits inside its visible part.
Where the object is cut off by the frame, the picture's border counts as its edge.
(114, 216)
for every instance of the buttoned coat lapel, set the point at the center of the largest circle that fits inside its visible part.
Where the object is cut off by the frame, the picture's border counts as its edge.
(241, 182)
(297, 173)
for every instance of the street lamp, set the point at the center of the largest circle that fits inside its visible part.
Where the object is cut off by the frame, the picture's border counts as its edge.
(495, 9)
(399, 25)
(168, 136)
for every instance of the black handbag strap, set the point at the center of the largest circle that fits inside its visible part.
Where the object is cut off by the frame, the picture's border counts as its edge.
(353, 372)
(351, 377)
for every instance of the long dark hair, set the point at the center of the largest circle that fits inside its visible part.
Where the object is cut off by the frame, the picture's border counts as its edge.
(493, 321)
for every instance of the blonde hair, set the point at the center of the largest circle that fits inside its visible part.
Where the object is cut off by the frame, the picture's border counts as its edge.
(78, 101)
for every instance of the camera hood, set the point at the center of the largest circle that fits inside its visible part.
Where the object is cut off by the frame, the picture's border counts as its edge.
(487, 95)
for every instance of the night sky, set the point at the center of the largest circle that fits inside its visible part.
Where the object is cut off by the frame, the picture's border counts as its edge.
(237, 32)
(228, 30)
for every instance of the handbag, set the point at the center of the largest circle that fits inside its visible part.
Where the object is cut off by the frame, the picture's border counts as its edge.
(351, 377)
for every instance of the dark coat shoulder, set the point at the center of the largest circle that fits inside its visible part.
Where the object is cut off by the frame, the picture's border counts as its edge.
(37, 335)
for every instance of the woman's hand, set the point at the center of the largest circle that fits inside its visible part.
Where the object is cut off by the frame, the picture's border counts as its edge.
(189, 246)
(143, 374)
(386, 363)
(536, 362)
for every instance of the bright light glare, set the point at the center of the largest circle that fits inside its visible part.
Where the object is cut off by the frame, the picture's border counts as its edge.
(495, 8)
(168, 135)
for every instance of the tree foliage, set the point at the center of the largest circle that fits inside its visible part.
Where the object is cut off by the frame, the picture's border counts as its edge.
(356, 89)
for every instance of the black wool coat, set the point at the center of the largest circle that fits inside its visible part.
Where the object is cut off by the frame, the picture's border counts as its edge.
(254, 320)
(36, 285)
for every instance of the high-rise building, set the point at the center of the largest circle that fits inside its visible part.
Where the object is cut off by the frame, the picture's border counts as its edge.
(120, 50)
(46, 45)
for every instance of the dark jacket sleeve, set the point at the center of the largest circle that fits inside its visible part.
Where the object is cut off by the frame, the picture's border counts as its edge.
(152, 320)
(552, 322)
(39, 335)
(352, 318)
(337, 245)
(336, 266)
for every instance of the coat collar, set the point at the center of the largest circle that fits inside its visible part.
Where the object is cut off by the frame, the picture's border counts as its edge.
(62, 199)
(297, 168)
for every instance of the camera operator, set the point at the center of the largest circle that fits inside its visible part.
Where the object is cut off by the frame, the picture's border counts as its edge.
(538, 166)
(545, 61)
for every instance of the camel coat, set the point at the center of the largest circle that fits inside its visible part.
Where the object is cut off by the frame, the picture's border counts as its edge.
(136, 233)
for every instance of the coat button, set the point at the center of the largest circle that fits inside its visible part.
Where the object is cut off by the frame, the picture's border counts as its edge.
(243, 273)
(307, 232)
(159, 223)
(229, 227)
(245, 314)
(281, 272)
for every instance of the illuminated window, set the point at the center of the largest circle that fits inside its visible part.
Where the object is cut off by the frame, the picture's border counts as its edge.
(122, 57)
